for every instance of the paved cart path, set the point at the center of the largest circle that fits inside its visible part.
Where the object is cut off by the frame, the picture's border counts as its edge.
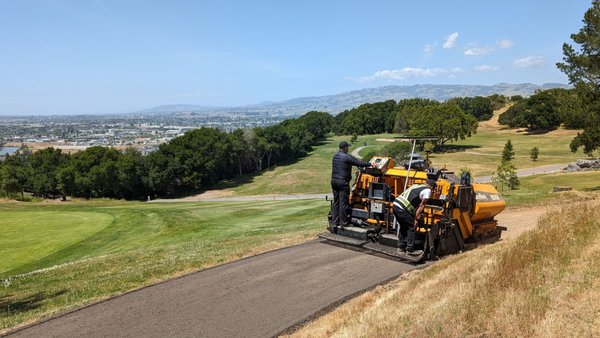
(543, 169)
(255, 297)
(356, 152)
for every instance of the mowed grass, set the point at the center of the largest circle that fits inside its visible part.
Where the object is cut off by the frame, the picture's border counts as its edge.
(28, 237)
(310, 174)
(538, 188)
(133, 245)
(480, 153)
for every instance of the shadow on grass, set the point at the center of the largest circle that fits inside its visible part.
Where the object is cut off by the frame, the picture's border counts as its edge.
(14, 306)
(596, 188)
(538, 132)
(454, 148)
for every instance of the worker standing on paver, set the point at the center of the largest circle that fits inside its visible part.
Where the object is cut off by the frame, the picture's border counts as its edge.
(341, 175)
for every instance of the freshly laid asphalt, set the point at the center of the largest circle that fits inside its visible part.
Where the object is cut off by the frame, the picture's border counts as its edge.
(259, 296)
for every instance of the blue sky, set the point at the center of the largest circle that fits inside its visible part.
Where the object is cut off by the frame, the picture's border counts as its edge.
(83, 57)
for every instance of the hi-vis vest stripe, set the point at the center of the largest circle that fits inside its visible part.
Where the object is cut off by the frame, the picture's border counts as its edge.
(402, 200)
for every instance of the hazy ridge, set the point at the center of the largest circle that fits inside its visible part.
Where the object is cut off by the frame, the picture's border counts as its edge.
(339, 102)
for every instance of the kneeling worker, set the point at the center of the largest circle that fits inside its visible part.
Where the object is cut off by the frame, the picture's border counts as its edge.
(408, 207)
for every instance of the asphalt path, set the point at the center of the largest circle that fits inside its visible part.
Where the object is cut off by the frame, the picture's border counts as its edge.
(543, 169)
(356, 152)
(259, 296)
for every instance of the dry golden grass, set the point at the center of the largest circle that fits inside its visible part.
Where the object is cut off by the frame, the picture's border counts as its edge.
(544, 283)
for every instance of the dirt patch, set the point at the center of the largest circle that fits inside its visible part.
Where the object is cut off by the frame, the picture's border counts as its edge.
(291, 178)
(519, 220)
(492, 123)
(210, 194)
(66, 148)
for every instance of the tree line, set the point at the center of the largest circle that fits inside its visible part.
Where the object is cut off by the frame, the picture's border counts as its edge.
(546, 110)
(188, 163)
(453, 119)
(202, 157)
(578, 107)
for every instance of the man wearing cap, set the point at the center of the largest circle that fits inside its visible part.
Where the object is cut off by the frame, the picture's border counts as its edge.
(340, 183)
(408, 207)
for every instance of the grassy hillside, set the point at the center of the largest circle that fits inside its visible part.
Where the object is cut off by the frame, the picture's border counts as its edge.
(310, 174)
(107, 248)
(541, 284)
(538, 189)
(481, 153)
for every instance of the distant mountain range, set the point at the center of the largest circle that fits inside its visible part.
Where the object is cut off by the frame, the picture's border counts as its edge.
(343, 101)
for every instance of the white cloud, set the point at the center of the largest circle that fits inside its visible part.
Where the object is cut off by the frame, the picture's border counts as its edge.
(451, 40)
(408, 72)
(505, 43)
(486, 68)
(429, 48)
(528, 61)
(475, 51)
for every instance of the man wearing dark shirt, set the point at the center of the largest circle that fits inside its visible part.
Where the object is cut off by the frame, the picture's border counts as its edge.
(341, 174)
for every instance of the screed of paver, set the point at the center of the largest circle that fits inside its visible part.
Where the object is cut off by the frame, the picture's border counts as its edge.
(255, 297)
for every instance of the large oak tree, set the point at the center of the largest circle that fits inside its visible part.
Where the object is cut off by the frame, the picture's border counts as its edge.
(582, 66)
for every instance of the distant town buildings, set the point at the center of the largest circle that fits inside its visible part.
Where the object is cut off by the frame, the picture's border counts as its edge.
(144, 132)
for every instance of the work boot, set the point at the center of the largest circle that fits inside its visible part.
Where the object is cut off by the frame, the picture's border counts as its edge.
(413, 252)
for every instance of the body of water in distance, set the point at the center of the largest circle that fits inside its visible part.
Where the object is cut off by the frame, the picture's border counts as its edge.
(8, 150)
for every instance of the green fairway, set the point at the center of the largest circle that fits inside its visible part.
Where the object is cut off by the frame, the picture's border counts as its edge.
(37, 236)
(112, 247)
(482, 152)
(28, 237)
(311, 174)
